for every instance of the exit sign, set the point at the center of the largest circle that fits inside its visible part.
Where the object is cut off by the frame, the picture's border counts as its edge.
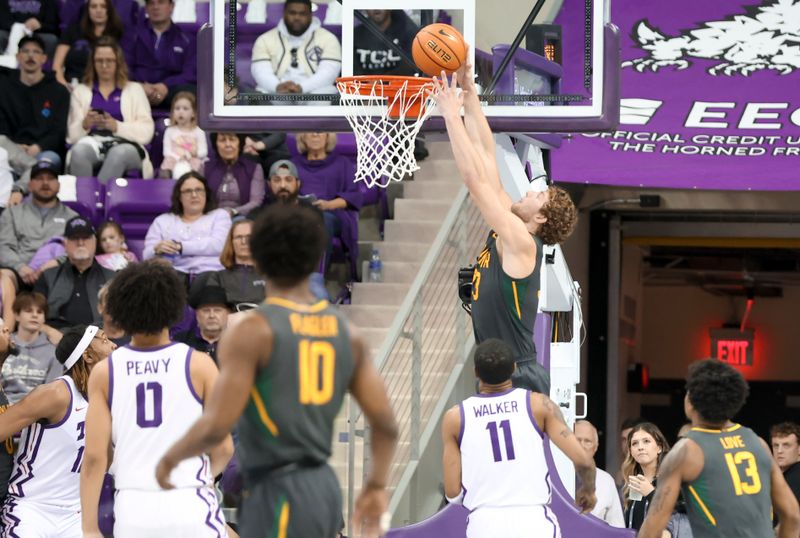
(733, 346)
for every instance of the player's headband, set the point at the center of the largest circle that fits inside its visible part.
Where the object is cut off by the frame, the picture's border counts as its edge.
(83, 345)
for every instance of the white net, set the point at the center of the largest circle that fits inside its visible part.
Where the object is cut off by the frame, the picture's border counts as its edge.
(386, 117)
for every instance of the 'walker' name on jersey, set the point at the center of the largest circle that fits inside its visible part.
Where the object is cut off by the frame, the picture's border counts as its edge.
(154, 366)
(495, 408)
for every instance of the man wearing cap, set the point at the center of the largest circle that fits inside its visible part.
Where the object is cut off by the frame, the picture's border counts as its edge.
(284, 187)
(211, 310)
(71, 288)
(33, 113)
(27, 226)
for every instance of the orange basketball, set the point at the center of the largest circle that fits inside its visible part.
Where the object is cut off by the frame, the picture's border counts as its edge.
(439, 47)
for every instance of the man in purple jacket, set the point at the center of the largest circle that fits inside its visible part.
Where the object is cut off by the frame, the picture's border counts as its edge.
(162, 56)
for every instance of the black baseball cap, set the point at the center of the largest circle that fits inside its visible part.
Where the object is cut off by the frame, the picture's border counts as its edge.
(78, 228)
(46, 163)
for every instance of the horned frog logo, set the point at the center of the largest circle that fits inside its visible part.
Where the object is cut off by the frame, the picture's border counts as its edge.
(767, 37)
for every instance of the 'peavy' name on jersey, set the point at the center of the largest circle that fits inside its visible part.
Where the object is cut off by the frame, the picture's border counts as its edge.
(495, 408)
(147, 367)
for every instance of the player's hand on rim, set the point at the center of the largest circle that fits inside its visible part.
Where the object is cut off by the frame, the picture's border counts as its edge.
(370, 516)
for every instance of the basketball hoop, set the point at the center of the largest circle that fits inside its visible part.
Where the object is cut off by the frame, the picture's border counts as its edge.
(386, 114)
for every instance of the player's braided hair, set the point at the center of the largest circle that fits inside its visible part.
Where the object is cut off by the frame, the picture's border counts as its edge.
(562, 217)
(80, 370)
(716, 390)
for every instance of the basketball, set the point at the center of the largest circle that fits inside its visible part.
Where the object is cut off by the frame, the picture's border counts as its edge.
(439, 47)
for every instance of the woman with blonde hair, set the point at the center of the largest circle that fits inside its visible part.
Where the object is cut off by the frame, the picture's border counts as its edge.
(110, 120)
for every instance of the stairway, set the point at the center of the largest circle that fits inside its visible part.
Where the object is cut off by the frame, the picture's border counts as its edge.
(418, 216)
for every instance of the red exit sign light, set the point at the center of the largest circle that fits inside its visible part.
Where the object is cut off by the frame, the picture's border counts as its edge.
(733, 346)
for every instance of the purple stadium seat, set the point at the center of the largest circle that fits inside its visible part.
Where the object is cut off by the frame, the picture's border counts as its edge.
(90, 202)
(135, 246)
(134, 203)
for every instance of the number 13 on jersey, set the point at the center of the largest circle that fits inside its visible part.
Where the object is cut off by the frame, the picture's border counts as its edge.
(317, 365)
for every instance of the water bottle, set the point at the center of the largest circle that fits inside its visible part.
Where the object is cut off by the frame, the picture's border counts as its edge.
(375, 267)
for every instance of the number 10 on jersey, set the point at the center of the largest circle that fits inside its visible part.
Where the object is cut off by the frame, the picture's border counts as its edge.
(317, 362)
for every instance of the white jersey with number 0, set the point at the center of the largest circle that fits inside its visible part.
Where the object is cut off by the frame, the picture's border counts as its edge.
(502, 452)
(153, 403)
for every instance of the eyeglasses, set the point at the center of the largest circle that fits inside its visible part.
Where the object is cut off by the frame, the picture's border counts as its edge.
(241, 238)
(105, 61)
(293, 52)
(193, 192)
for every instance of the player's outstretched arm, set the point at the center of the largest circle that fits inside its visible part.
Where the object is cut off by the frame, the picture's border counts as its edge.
(49, 402)
(783, 501)
(368, 389)
(479, 131)
(96, 451)
(562, 436)
(519, 255)
(451, 455)
(245, 342)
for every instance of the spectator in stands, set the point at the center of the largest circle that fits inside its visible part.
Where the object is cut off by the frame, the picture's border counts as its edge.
(185, 146)
(211, 308)
(329, 176)
(161, 55)
(110, 119)
(608, 507)
(112, 330)
(36, 362)
(71, 288)
(236, 181)
(785, 440)
(299, 56)
(266, 148)
(113, 252)
(193, 233)
(33, 113)
(40, 17)
(6, 179)
(647, 447)
(372, 56)
(74, 47)
(284, 187)
(26, 227)
(239, 279)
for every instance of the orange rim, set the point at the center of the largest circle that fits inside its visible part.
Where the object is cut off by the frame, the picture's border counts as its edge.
(390, 85)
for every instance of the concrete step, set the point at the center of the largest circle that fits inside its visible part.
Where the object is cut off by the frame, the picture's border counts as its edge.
(378, 293)
(369, 315)
(394, 271)
(421, 230)
(430, 190)
(438, 169)
(397, 251)
(374, 337)
(416, 209)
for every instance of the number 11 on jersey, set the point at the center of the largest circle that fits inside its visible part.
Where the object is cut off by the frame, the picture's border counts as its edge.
(505, 425)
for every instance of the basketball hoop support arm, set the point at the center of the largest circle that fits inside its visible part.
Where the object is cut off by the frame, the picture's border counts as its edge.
(513, 48)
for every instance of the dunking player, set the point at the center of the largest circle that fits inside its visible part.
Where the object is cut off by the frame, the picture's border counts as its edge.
(143, 398)
(729, 479)
(284, 368)
(505, 284)
(494, 462)
(43, 497)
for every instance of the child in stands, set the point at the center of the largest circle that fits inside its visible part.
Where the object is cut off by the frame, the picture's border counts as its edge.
(112, 252)
(185, 146)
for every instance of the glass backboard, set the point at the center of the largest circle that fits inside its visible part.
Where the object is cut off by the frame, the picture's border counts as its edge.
(517, 63)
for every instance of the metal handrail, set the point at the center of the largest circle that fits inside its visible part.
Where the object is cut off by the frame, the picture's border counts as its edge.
(424, 349)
